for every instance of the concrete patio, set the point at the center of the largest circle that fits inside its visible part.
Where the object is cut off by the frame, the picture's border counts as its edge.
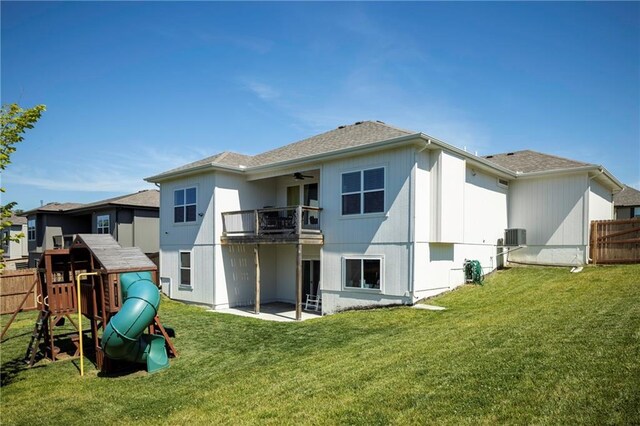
(276, 311)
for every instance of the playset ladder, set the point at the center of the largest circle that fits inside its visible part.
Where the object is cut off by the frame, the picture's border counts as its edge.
(36, 336)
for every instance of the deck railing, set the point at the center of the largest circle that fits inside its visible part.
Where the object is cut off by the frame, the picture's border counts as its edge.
(275, 220)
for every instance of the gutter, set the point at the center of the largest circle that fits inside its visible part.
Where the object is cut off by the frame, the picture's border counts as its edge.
(587, 168)
(474, 158)
(193, 170)
(337, 153)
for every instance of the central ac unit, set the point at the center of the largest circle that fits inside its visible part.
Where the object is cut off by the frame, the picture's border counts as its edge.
(515, 237)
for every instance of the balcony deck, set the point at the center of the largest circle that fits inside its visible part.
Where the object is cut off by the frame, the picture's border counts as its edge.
(278, 225)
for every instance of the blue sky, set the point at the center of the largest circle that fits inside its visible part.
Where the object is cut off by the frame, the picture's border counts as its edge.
(134, 89)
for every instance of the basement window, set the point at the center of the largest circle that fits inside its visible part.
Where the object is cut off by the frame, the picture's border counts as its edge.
(363, 273)
(185, 269)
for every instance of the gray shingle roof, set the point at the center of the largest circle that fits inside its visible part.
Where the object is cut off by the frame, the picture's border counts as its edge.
(531, 161)
(53, 208)
(353, 135)
(148, 198)
(627, 197)
(358, 134)
(17, 220)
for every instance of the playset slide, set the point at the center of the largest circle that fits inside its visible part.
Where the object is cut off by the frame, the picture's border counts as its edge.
(123, 337)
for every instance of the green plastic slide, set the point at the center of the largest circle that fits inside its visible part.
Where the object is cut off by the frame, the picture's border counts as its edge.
(123, 337)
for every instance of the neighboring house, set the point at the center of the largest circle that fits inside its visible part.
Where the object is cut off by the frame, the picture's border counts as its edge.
(368, 213)
(131, 219)
(15, 251)
(627, 203)
(555, 199)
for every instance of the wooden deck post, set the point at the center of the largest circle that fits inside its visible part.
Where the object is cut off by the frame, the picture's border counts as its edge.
(298, 282)
(256, 252)
(256, 222)
(299, 220)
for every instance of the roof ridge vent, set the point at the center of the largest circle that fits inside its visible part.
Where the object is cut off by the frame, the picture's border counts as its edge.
(341, 127)
(358, 122)
(509, 153)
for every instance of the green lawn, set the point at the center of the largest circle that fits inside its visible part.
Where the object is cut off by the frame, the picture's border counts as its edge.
(533, 345)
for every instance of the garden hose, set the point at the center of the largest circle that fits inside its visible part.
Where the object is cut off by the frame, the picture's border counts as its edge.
(473, 271)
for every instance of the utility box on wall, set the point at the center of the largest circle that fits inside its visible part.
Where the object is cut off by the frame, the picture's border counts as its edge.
(515, 237)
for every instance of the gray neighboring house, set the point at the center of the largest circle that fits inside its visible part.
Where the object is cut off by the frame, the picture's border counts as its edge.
(627, 203)
(15, 252)
(131, 219)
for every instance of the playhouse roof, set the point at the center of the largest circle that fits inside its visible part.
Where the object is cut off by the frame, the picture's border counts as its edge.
(111, 255)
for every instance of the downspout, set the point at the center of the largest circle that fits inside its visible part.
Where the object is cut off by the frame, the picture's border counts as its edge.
(587, 224)
(412, 218)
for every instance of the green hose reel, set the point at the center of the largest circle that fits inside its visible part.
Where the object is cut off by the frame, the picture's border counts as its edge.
(473, 272)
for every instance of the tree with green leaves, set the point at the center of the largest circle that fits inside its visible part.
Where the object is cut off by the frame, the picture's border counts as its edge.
(14, 121)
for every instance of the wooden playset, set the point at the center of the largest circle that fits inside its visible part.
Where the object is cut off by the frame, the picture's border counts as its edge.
(118, 295)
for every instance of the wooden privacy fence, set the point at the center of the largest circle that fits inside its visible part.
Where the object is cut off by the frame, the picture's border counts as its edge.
(14, 286)
(615, 241)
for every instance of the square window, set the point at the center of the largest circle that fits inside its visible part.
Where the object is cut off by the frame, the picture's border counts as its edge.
(184, 205)
(363, 273)
(363, 192)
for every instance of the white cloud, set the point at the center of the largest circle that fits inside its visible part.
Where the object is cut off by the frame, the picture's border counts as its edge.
(263, 91)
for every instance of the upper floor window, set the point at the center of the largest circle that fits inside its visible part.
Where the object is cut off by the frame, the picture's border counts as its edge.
(363, 191)
(31, 229)
(103, 224)
(184, 205)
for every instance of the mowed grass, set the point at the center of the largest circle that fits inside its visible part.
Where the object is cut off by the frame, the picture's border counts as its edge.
(533, 345)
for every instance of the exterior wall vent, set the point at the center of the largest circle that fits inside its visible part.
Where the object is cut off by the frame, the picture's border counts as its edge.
(503, 183)
(515, 237)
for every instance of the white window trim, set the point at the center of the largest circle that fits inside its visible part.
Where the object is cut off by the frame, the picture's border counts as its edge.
(98, 227)
(173, 205)
(363, 191)
(180, 285)
(362, 257)
(31, 229)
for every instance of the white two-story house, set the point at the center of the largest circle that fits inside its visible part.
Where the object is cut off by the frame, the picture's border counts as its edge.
(365, 214)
